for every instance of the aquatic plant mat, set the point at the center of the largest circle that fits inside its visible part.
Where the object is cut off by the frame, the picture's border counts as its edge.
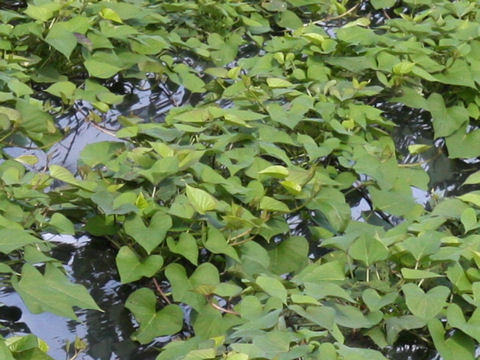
(266, 212)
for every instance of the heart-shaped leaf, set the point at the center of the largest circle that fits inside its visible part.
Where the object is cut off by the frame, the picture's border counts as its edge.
(425, 305)
(168, 321)
(185, 246)
(131, 268)
(149, 237)
(217, 244)
(456, 319)
(187, 290)
(368, 250)
(458, 346)
(375, 302)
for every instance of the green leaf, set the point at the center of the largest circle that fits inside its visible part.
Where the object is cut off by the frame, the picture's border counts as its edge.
(217, 244)
(101, 68)
(290, 255)
(271, 204)
(425, 305)
(19, 88)
(469, 219)
(418, 274)
(403, 68)
(100, 152)
(278, 83)
(168, 321)
(374, 301)
(62, 174)
(184, 289)
(350, 353)
(352, 317)
(473, 178)
(457, 346)
(186, 247)
(418, 148)
(110, 14)
(153, 235)
(51, 292)
(382, 4)
(457, 74)
(456, 319)
(330, 271)
(446, 120)
(458, 278)
(149, 45)
(62, 224)
(131, 268)
(463, 144)
(368, 249)
(43, 12)
(201, 200)
(272, 287)
(61, 39)
(5, 352)
(275, 171)
(13, 239)
(471, 197)
(62, 89)
(425, 244)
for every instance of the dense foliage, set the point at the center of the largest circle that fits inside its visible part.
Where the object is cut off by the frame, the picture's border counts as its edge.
(233, 215)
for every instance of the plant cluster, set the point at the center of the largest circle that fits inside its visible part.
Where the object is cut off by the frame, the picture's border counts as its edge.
(233, 216)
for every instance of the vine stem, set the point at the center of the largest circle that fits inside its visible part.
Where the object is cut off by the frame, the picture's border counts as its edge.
(246, 232)
(218, 307)
(160, 291)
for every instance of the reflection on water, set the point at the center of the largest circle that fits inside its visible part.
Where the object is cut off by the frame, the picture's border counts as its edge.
(414, 127)
(145, 99)
(92, 264)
